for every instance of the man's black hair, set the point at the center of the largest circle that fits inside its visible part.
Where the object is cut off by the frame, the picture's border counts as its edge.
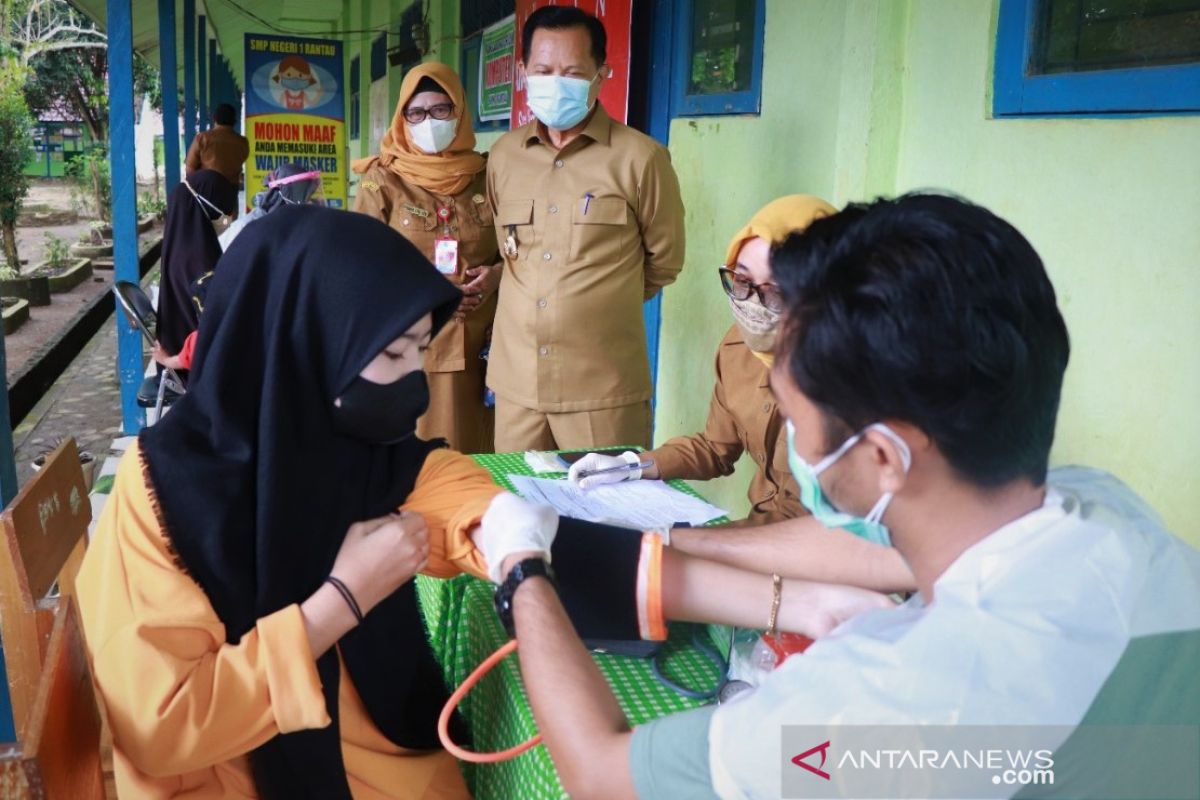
(557, 18)
(224, 114)
(934, 311)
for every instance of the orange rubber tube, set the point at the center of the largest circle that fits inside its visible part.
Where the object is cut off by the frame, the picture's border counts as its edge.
(456, 698)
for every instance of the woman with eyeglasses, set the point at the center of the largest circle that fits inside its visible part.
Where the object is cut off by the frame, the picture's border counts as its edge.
(428, 183)
(742, 417)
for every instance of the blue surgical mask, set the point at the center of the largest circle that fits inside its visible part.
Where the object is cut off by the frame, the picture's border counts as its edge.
(560, 103)
(295, 84)
(813, 498)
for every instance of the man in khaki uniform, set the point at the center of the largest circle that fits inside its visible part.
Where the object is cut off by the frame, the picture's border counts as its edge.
(590, 224)
(220, 148)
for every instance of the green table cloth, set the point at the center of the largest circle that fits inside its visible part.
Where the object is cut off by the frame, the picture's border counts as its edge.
(464, 630)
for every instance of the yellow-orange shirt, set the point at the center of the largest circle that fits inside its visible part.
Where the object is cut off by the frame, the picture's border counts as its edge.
(185, 707)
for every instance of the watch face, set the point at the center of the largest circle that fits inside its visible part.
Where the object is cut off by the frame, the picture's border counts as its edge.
(732, 688)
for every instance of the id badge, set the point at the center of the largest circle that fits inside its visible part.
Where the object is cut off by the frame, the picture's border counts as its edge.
(445, 255)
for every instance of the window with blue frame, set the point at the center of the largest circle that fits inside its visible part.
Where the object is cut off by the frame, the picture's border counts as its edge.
(718, 57)
(1097, 57)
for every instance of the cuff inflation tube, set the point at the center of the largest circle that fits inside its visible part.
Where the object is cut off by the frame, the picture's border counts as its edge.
(456, 698)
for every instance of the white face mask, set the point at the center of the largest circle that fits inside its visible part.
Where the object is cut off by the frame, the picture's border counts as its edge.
(221, 221)
(433, 135)
(560, 103)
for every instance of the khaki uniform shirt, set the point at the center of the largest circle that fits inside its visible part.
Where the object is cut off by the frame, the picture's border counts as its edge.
(220, 148)
(598, 229)
(412, 211)
(742, 417)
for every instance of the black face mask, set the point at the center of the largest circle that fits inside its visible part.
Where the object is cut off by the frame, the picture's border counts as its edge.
(382, 413)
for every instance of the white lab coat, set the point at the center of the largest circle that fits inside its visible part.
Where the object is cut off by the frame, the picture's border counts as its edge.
(1025, 628)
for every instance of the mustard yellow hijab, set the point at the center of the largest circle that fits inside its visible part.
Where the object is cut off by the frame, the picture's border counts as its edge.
(446, 173)
(773, 222)
(778, 218)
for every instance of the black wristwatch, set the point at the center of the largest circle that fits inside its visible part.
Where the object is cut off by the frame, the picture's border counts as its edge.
(528, 568)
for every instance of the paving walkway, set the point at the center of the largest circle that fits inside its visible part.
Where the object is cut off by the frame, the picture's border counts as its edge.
(85, 402)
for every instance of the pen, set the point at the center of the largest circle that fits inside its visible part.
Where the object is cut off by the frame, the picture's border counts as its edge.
(587, 473)
(587, 201)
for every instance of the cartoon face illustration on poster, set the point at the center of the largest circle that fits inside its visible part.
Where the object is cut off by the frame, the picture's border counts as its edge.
(295, 85)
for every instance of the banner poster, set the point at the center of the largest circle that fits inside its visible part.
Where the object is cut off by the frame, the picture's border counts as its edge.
(295, 110)
(617, 17)
(497, 50)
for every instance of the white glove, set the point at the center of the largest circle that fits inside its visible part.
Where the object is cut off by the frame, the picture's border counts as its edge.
(595, 461)
(513, 525)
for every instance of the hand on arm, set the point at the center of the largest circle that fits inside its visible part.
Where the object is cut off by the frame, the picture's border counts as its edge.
(513, 525)
(376, 558)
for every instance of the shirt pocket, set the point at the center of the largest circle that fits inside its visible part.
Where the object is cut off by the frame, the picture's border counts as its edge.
(515, 218)
(411, 218)
(479, 213)
(598, 229)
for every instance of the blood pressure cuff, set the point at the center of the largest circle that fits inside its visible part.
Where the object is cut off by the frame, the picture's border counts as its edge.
(609, 580)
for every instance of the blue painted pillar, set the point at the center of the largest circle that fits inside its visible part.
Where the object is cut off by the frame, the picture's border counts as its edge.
(216, 76)
(189, 72)
(202, 75)
(124, 200)
(168, 72)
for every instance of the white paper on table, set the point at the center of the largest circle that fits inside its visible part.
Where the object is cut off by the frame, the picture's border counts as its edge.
(636, 504)
(543, 461)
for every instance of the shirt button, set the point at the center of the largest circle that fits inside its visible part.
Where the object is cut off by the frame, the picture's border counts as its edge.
(543, 350)
(545, 256)
(541, 303)
(553, 209)
(558, 164)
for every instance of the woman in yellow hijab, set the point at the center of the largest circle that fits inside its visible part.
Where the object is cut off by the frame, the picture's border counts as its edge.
(428, 183)
(742, 416)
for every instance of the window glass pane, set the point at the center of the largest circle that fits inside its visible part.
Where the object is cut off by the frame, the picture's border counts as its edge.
(722, 46)
(475, 15)
(1083, 35)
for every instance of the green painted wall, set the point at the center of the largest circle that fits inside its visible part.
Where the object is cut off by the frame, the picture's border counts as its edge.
(1113, 207)
(869, 97)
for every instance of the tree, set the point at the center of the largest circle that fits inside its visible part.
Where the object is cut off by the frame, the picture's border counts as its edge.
(16, 148)
(48, 26)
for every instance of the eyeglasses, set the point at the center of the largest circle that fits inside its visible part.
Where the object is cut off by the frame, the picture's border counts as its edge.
(441, 111)
(739, 288)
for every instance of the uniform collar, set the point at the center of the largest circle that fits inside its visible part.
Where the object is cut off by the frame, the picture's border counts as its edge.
(736, 339)
(598, 129)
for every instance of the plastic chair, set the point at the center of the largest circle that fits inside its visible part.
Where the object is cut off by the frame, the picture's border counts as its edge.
(159, 390)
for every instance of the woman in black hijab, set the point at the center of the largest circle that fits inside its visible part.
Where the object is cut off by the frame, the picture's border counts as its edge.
(190, 249)
(205, 592)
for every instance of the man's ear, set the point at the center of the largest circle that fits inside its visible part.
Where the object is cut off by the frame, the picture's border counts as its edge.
(888, 455)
